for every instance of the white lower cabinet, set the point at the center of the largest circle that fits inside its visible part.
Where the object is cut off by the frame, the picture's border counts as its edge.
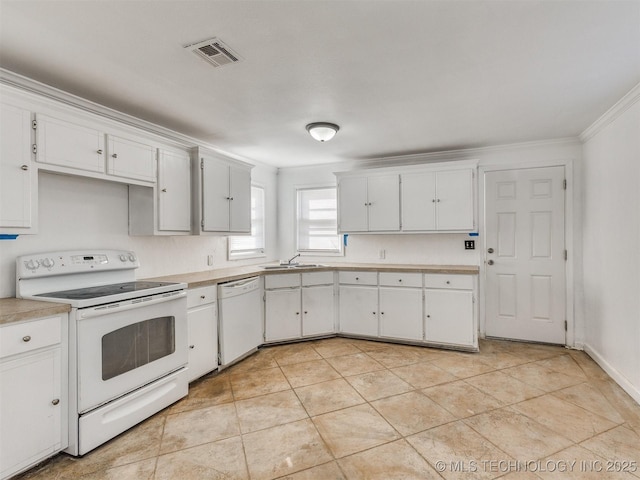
(282, 314)
(33, 399)
(299, 305)
(202, 320)
(359, 310)
(401, 313)
(450, 314)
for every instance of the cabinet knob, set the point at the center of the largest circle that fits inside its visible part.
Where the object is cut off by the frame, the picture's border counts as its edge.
(448, 282)
(55, 401)
(26, 338)
(438, 200)
(164, 190)
(490, 250)
(25, 167)
(490, 262)
(373, 313)
(115, 155)
(297, 313)
(381, 313)
(192, 347)
(203, 297)
(400, 280)
(433, 201)
(305, 312)
(357, 278)
(428, 316)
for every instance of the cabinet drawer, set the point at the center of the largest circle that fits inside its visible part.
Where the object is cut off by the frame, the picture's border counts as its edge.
(458, 282)
(358, 278)
(27, 336)
(396, 279)
(282, 280)
(201, 296)
(317, 278)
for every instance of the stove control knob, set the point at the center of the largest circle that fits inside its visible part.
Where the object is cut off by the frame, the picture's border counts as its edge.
(132, 257)
(47, 262)
(32, 264)
(123, 258)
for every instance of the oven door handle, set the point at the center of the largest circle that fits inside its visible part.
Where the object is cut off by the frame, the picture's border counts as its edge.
(130, 304)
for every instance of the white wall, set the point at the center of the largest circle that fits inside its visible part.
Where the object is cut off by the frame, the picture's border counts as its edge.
(77, 212)
(611, 240)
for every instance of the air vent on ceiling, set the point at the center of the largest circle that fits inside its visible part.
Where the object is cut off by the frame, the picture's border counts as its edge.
(215, 52)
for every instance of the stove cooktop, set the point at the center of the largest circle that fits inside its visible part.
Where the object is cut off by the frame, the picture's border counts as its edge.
(105, 290)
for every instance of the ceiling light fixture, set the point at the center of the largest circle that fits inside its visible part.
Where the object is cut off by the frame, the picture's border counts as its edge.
(322, 131)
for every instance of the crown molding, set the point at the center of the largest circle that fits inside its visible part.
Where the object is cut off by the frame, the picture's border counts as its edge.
(610, 115)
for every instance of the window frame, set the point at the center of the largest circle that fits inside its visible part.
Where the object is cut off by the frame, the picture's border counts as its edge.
(315, 253)
(259, 252)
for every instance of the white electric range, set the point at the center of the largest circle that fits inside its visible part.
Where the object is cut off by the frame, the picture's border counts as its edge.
(127, 338)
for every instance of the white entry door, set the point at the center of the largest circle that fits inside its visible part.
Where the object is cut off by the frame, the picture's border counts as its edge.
(525, 256)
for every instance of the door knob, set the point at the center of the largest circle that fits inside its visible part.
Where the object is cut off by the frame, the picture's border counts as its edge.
(490, 250)
(490, 262)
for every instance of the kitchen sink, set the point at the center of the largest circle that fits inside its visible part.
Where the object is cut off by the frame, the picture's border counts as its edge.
(292, 266)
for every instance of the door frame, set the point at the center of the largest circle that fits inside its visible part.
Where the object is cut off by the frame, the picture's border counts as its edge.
(570, 337)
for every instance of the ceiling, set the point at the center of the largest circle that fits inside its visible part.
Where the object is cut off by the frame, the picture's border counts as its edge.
(398, 76)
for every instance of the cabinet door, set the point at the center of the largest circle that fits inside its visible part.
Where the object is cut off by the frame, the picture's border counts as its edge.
(15, 167)
(215, 195)
(240, 200)
(352, 204)
(130, 159)
(69, 145)
(317, 310)
(174, 192)
(282, 314)
(401, 313)
(359, 310)
(449, 317)
(30, 409)
(203, 340)
(418, 202)
(384, 203)
(454, 199)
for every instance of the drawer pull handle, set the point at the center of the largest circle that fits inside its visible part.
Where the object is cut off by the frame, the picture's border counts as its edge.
(26, 338)
(55, 401)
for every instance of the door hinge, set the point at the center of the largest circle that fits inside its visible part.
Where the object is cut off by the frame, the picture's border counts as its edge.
(566, 255)
(202, 164)
(34, 148)
(202, 223)
(34, 124)
(565, 325)
(219, 358)
(564, 184)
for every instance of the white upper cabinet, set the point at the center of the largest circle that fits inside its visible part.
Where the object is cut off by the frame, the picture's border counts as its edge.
(174, 191)
(438, 201)
(408, 199)
(68, 144)
(18, 178)
(369, 203)
(164, 209)
(222, 200)
(131, 159)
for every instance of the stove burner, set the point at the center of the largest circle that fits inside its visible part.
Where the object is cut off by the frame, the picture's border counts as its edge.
(103, 290)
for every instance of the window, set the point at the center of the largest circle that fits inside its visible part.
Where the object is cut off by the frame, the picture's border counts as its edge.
(318, 221)
(251, 246)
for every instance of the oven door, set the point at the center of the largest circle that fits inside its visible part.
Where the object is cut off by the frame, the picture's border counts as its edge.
(129, 346)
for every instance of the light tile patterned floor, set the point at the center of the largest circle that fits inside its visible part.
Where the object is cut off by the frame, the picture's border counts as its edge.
(353, 409)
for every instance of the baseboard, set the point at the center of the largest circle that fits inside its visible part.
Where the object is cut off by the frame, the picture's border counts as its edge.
(627, 386)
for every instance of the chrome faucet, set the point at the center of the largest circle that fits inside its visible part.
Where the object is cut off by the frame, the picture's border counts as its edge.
(292, 259)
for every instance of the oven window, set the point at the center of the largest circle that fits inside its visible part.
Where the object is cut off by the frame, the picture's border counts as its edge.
(136, 345)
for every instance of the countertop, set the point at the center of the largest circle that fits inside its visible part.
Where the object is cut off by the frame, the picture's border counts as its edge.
(17, 309)
(211, 277)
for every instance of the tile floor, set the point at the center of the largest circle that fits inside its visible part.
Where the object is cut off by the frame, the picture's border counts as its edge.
(353, 409)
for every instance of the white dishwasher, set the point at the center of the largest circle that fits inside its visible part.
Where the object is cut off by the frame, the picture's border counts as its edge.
(240, 319)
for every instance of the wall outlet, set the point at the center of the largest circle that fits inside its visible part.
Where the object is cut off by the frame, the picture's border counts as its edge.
(210, 260)
(382, 254)
(469, 244)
